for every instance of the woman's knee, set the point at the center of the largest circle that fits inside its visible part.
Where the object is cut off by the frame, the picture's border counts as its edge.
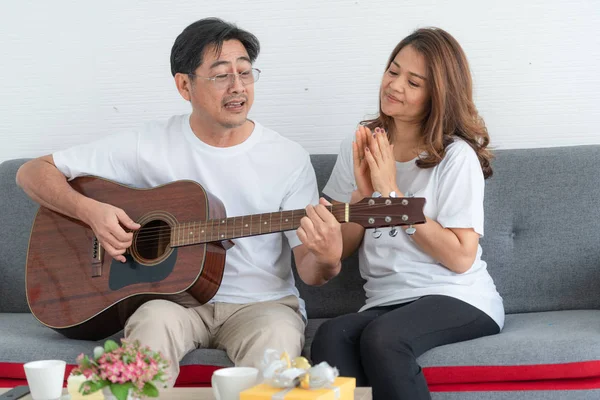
(329, 333)
(333, 338)
(378, 341)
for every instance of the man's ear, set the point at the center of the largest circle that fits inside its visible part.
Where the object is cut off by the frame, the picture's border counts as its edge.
(184, 85)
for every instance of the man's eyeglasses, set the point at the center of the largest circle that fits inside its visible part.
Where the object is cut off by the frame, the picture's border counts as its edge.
(222, 81)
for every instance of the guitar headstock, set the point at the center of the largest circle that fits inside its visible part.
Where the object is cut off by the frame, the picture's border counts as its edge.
(377, 212)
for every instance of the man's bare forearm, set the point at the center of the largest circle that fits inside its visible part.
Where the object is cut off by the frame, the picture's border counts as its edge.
(46, 185)
(314, 272)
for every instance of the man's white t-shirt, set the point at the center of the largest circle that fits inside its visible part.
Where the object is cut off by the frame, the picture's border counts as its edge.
(396, 270)
(265, 173)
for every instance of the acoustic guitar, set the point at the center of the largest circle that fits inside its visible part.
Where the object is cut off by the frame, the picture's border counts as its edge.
(74, 288)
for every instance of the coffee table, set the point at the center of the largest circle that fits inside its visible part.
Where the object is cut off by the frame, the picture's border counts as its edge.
(205, 394)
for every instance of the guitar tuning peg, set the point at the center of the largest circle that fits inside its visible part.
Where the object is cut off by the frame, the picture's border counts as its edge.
(393, 232)
(376, 233)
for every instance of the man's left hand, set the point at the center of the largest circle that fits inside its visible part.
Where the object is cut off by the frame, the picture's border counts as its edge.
(321, 233)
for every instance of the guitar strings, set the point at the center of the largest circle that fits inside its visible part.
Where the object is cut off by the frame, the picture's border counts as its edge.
(214, 221)
(214, 224)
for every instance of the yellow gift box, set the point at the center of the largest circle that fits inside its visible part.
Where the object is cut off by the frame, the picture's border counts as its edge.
(342, 389)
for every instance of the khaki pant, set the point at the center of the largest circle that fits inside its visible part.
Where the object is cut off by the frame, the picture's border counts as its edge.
(179, 325)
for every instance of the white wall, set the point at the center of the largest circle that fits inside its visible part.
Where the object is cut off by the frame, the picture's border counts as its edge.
(71, 71)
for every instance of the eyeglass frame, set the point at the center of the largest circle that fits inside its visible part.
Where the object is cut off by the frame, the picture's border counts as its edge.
(213, 79)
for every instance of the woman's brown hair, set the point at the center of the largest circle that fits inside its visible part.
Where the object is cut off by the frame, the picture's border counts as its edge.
(451, 111)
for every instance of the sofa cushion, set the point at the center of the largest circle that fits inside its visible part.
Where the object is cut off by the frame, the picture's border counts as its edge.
(24, 339)
(534, 347)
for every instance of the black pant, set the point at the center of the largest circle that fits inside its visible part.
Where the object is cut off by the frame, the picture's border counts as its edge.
(380, 346)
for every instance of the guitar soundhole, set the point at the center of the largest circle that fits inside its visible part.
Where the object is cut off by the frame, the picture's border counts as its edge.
(152, 240)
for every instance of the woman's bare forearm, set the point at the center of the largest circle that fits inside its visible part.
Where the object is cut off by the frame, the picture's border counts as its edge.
(456, 249)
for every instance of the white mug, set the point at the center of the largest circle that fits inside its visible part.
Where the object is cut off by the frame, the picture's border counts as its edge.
(45, 378)
(227, 383)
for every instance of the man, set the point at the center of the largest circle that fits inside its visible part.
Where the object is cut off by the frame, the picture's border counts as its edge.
(250, 168)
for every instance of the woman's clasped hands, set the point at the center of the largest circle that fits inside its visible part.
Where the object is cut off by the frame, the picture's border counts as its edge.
(374, 163)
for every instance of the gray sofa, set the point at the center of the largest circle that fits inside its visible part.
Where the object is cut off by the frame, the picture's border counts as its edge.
(542, 245)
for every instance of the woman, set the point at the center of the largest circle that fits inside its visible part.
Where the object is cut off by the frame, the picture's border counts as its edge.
(427, 285)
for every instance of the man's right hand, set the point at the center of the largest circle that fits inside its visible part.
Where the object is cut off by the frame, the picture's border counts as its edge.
(107, 222)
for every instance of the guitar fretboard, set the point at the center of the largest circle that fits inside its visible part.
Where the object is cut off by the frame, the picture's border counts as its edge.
(214, 230)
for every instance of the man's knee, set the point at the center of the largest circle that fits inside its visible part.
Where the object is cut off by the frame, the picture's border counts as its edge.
(280, 334)
(283, 335)
(154, 314)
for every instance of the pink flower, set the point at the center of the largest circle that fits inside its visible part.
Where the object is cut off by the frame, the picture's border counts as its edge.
(88, 373)
(130, 362)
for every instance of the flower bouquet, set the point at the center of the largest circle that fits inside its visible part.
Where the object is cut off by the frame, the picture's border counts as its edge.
(122, 372)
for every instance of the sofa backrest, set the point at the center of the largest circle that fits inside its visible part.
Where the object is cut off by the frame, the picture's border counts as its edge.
(17, 211)
(541, 243)
(542, 228)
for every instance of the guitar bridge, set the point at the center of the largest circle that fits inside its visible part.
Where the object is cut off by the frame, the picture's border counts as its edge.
(97, 253)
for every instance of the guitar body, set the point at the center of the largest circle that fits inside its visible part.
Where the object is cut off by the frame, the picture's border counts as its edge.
(75, 288)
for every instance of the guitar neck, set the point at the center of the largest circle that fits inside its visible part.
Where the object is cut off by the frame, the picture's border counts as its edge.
(214, 230)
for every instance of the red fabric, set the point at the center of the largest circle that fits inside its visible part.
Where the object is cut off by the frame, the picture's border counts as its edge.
(570, 376)
(193, 375)
(13, 374)
(538, 372)
(16, 371)
(555, 384)
(11, 383)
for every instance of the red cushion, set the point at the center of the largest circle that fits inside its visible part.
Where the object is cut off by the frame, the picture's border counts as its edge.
(554, 384)
(538, 372)
(13, 374)
(195, 375)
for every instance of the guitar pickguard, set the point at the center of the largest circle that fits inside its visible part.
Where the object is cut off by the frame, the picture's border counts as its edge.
(131, 272)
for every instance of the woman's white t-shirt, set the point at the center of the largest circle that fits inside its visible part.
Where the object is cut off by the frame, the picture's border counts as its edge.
(396, 270)
(265, 173)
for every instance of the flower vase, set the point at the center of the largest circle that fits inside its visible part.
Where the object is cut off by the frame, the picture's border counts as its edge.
(108, 395)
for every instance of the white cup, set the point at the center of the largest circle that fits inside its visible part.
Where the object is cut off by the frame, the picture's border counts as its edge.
(45, 378)
(227, 383)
